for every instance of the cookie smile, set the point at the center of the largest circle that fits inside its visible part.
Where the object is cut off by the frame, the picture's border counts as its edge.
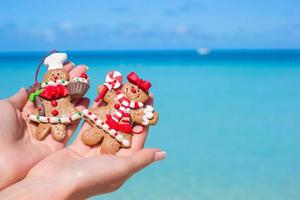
(133, 96)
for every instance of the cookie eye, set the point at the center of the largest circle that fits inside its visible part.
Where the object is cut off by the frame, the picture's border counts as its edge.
(138, 90)
(57, 74)
(52, 74)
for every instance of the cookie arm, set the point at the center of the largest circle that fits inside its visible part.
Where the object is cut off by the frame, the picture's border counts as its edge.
(37, 100)
(110, 94)
(144, 116)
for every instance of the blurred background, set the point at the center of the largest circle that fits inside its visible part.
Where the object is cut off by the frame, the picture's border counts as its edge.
(225, 76)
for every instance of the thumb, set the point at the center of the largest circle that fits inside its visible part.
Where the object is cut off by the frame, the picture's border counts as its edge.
(145, 157)
(19, 99)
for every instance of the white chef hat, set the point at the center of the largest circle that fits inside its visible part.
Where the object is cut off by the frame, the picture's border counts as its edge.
(55, 61)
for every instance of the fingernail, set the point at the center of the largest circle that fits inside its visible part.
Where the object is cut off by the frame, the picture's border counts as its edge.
(160, 155)
(87, 68)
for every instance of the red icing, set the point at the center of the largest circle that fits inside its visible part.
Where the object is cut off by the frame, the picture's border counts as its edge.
(102, 94)
(125, 128)
(54, 112)
(133, 90)
(54, 92)
(54, 103)
(117, 106)
(84, 75)
(142, 84)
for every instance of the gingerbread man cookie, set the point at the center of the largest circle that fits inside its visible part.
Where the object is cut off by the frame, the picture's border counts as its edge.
(112, 124)
(53, 99)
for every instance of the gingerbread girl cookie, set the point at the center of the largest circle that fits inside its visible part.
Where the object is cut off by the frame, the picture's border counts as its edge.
(112, 123)
(53, 98)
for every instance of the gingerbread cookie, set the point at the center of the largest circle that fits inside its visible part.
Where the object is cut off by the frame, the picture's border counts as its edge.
(53, 98)
(112, 123)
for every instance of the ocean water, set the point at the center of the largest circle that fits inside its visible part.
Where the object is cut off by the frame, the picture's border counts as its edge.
(229, 120)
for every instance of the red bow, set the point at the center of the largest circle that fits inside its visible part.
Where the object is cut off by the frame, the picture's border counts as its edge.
(142, 84)
(54, 92)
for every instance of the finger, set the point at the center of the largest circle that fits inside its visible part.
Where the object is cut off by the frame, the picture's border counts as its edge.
(145, 157)
(19, 99)
(138, 140)
(78, 70)
(68, 66)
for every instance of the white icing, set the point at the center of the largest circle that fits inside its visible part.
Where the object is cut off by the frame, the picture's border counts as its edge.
(126, 143)
(119, 114)
(148, 114)
(140, 104)
(119, 138)
(79, 79)
(112, 131)
(55, 120)
(125, 103)
(98, 122)
(55, 61)
(110, 78)
(52, 83)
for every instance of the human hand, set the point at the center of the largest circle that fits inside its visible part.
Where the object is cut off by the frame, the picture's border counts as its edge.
(79, 171)
(20, 151)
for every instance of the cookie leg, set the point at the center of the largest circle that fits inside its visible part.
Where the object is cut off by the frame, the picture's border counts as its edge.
(42, 131)
(58, 132)
(110, 145)
(92, 136)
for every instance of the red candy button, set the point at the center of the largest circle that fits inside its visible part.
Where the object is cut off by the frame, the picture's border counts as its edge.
(117, 106)
(54, 112)
(84, 75)
(54, 103)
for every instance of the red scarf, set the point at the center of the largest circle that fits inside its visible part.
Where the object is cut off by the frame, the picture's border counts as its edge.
(54, 92)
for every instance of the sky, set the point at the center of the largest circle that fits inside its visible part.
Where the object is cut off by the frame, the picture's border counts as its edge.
(153, 24)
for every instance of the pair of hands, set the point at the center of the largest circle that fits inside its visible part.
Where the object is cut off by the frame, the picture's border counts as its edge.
(43, 169)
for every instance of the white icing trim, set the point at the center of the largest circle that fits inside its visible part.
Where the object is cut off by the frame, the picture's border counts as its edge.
(102, 125)
(52, 83)
(148, 114)
(79, 79)
(56, 120)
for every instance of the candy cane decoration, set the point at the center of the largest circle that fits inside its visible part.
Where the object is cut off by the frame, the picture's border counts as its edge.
(113, 80)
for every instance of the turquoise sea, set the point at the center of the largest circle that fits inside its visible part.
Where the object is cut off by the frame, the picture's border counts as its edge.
(229, 120)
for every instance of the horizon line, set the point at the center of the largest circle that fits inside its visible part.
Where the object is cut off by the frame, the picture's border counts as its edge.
(154, 50)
